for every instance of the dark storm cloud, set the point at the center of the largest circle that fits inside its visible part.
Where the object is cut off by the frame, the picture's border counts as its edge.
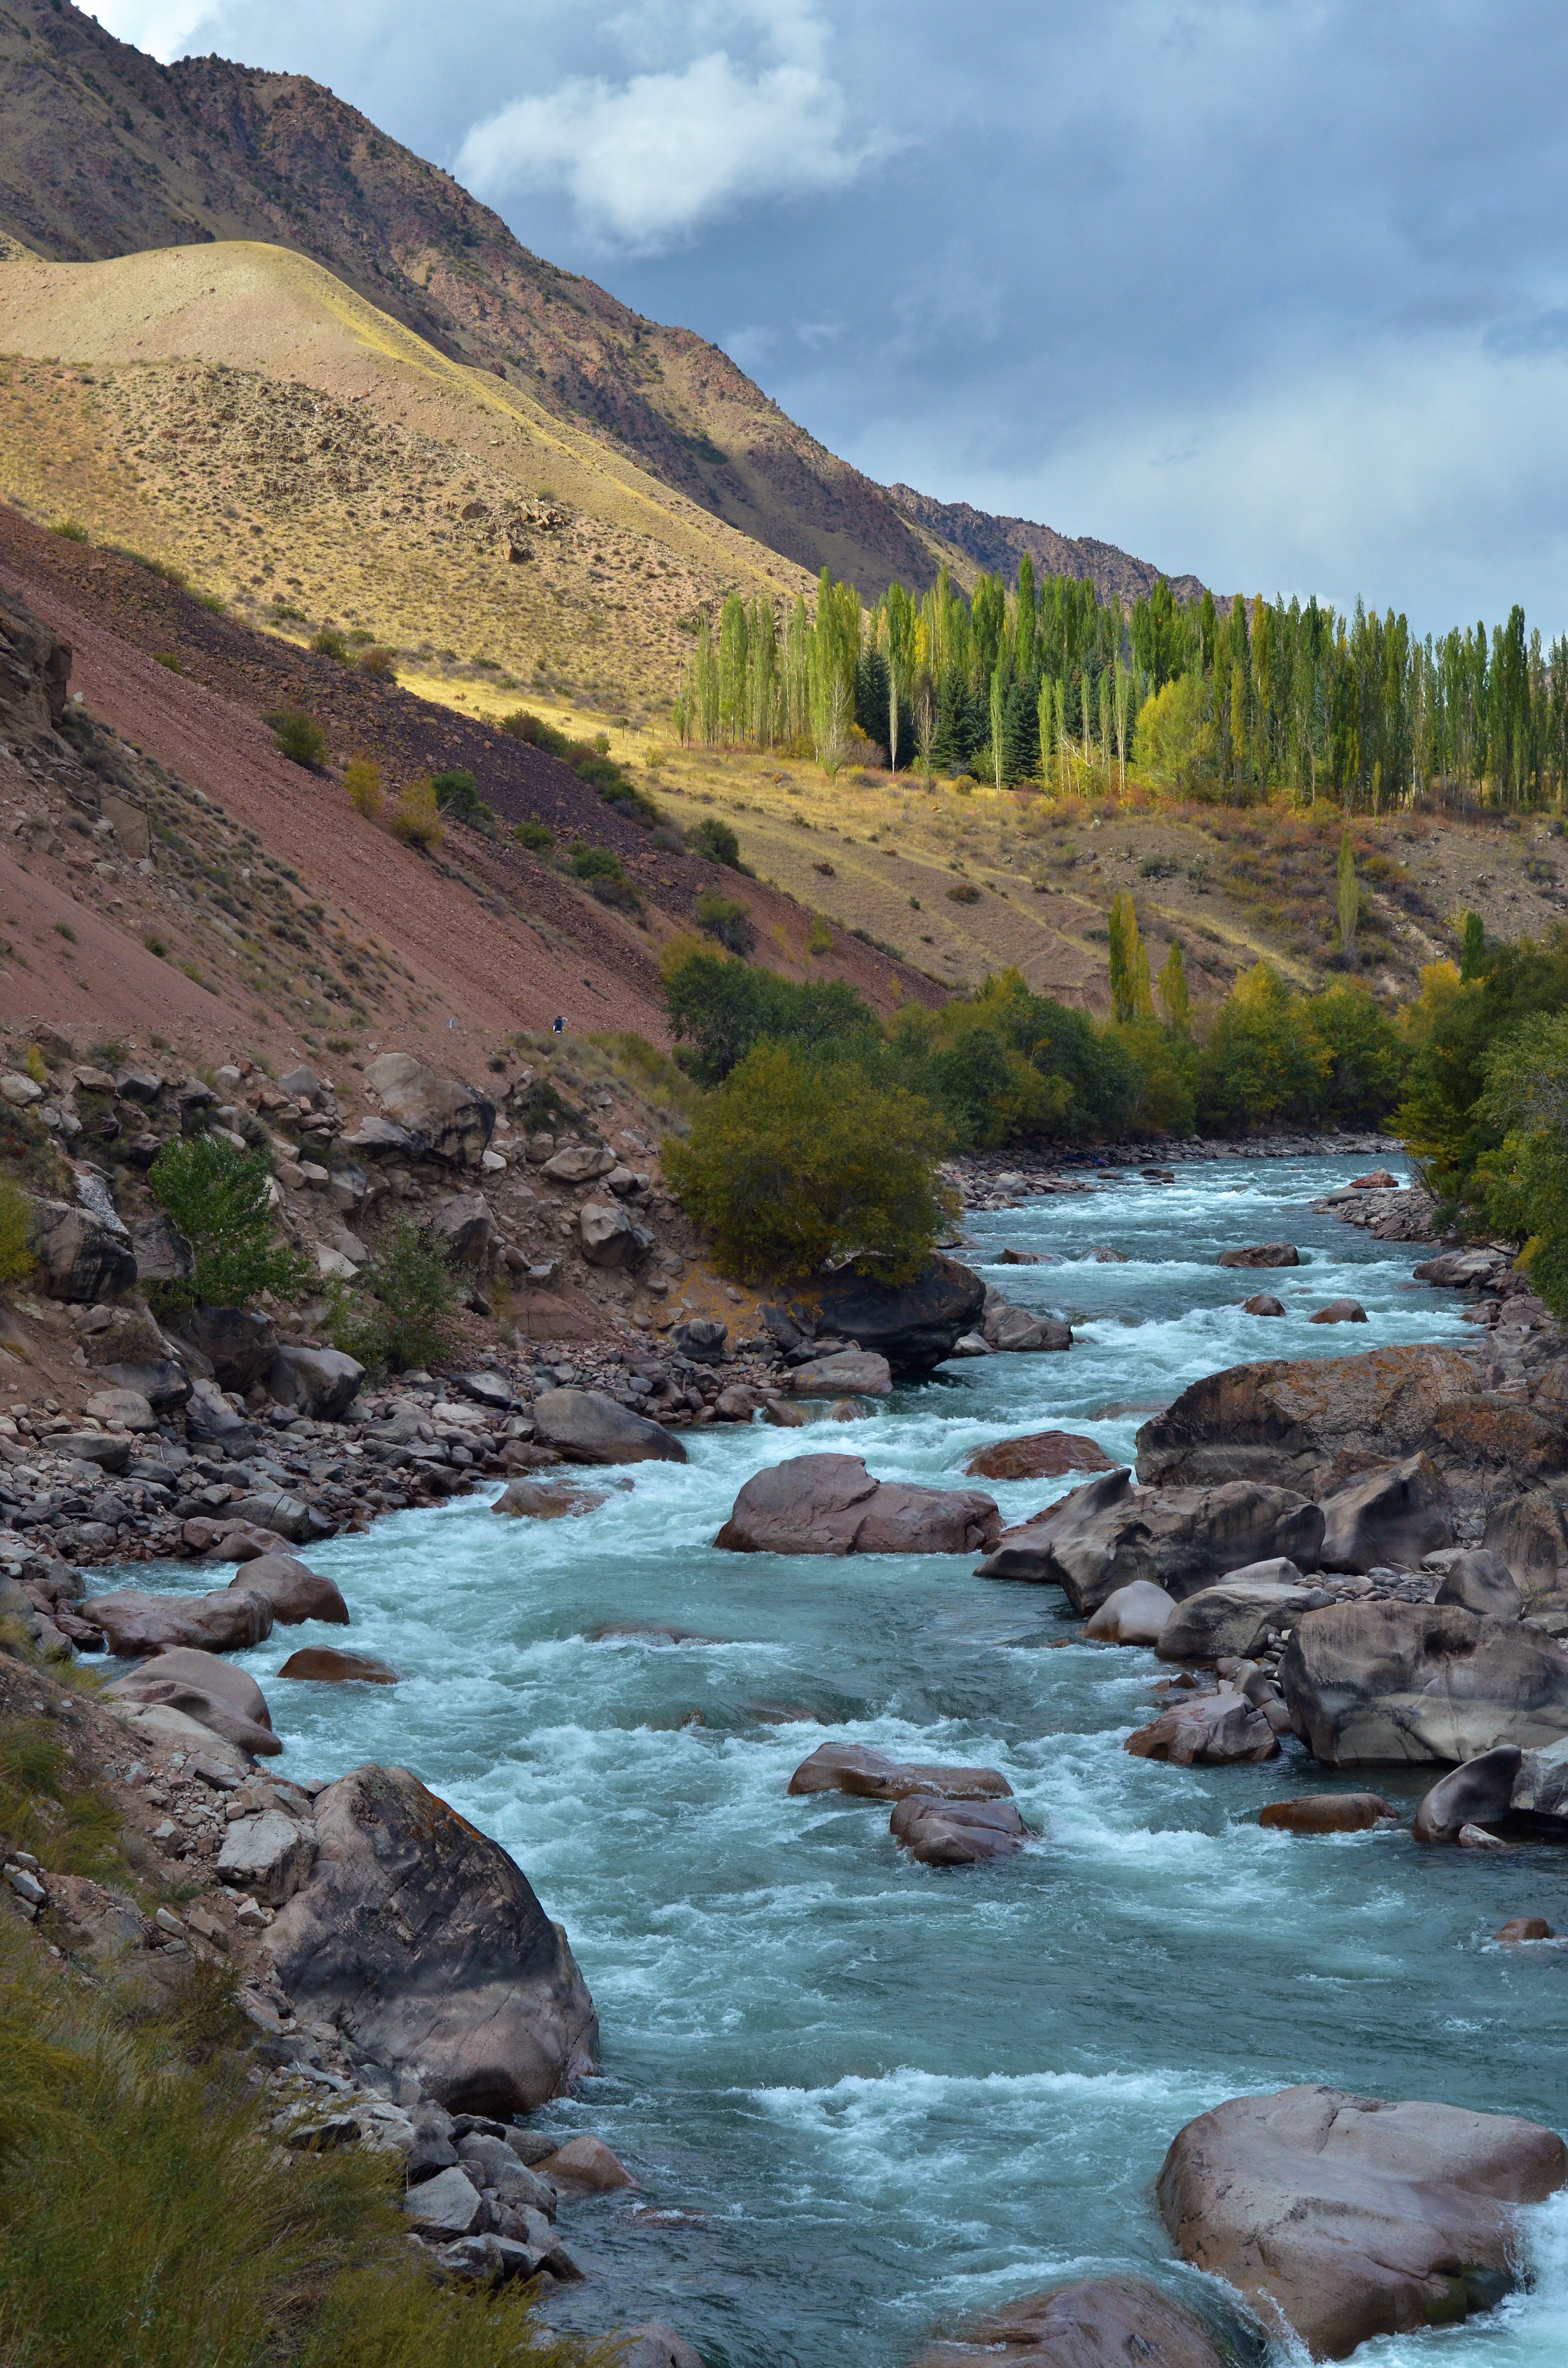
(1275, 292)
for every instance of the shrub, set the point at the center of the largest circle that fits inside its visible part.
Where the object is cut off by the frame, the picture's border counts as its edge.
(535, 835)
(155, 944)
(594, 862)
(966, 892)
(794, 1161)
(362, 785)
(726, 918)
(298, 738)
(819, 937)
(36, 1066)
(16, 1233)
(400, 1313)
(330, 643)
(716, 840)
(64, 930)
(71, 530)
(417, 818)
(220, 1199)
(167, 658)
(379, 663)
(456, 795)
(722, 1008)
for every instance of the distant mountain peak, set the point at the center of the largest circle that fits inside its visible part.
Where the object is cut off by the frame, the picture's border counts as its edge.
(998, 543)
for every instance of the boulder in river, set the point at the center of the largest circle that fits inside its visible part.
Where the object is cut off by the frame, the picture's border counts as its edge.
(546, 1500)
(419, 1938)
(913, 1325)
(851, 1374)
(1206, 1731)
(1263, 1254)
(1328, 1813)
(227, 1622)
(1479, 1794)
(1540, 1788)
(1386, 1682)
(1398, 1514)
(1133, 1615)
(1039, 1455)
(1106, 1534)
(586, 1426)
(1263, 1303)
(1482, 1582)
(871, 1776)
(957, 1833)
(321, 1665)
(208, 1690)
(1117, 2322)
(295, 1591)
(1291, 1420)
(1343, 2217)
(1525, 1927)
(1339, 1310)
(1236, 1615)
(1019, 1331)
(831, 1504)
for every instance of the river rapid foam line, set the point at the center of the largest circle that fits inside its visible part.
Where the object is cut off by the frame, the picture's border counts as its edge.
(888, 2096)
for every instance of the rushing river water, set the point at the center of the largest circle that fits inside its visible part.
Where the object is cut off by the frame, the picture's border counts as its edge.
(888, 2096)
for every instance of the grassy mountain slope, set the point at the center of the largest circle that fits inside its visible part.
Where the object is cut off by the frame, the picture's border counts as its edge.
(104, 152)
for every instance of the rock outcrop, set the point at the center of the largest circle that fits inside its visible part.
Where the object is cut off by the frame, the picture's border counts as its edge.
(82, 1257)
(1482, 1582)
(322, 1383)
(419, 1938)
(1397, 1514)
(1263, 1254)
(831, 1504)
(914, 1325)
(1343, 2217)
(445, 1118)
(852, 1373)
(1387, 1682)
(1107, 1534)
(227, 1622)
(1303, 1422)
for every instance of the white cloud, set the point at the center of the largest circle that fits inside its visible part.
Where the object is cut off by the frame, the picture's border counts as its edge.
(163, 28)
(646, 161)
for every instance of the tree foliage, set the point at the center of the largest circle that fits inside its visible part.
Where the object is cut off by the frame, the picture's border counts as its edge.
(399, 1314)
(220, 1199)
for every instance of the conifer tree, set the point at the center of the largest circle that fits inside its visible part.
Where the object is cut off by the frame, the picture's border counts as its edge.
(1473, 949)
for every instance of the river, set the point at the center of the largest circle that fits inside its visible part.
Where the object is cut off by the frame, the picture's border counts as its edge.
(888, 2097)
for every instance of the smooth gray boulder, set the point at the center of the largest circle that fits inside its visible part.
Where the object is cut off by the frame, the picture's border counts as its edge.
(1482, 1582)
(1133, 1615)
(446, 1118)
(1206, 1731)
(422, 1940)
(1394, 1515)
(1529, 1532)
(164, 1384)
(239, 1343)
(957, 1833)
(271, 1855)
(1479, 1794)
(1367, 1683)
(82, 1257)
(1236, 1614)
(448, 2205)
(1288, 1420)
(585, 1426)
(852, 1373)
(1118, 2322)
(1540, 1788)
(462, 1225)
(1105, 1535)
(913, 1325)
(656, 2345)
(606, 1234)
(1343, 2217)
(831, 1504)
(1019, 1331)
(109, 1453)
(206, 1689)
(321, 1383)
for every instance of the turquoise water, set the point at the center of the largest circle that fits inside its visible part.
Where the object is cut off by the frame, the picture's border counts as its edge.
(889, 2096)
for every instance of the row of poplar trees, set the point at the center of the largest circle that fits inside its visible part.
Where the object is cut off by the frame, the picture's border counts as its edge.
(1046, 682)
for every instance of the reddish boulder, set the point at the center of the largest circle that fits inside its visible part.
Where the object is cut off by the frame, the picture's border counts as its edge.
(1328, 1813)
(957, 1833)
(1041, 1455)
(850, 1768)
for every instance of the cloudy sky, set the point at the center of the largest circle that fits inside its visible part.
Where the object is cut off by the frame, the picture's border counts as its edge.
(1276, 291)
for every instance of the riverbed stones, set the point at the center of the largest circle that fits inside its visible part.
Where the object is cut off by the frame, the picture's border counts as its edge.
(1238, 1613)
(1395, 1514)
(1263, 1303)
(851, 1374)
(1039, 1455)
(832, 1505)
(267, 1856)
(1107, 1534)
(546, 1500)
(1206, 1731)
(1343, 2217)
(655, 2345)
(1133, 1615)
(1478, 1793)
(159, 1728)
(425, 1943)
(914, 1325)
(1375, 1682)
(957, 1833)
(1019, 1331)
(871, 1776)
(211, 1691)
(1290, 1420)
(1099, 2323)
(586, 1426)
(586, 2162)
(320, 1665)
(1263, 1254)
(1328, 1813)
(1482, 1582)
(295, 1591)
(448, 2205)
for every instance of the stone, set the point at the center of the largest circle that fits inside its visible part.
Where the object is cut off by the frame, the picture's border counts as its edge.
(269, 1856)
(447, 1119)
(81, 1257)
(1328, 1813)
(164, 1386)
(276, 1511)
(1206, 1731)
(914, 1325)
(587, 2162)
(1482, 1582)
(483, 1388)
(1236, 1616)
(163, 1254)
(159, 1728)
(1263, 1254)
(127, 1407)
(295, 1591)
(210, 1419)
(321, 1383)
(1133, 1615)
(586, 1426)
(209, 1691)
(1263, 1303)
(854, 1373)
(380, 1139)
(1117, 2322)
(1287, 1420)
(1039, 1455)
(654, 2345)
(1477, 1837)
(20, 1091)
(322, 1665)
(1369, 1682)
(738, 1403)
(1525, 1927)
(957, 1833)
(1107, 1534)
(448, 2205)
(419, 1938)
(1340, 1311)
(137, 1625)
(1478, 1793)
(831, 1504)
(238, 1344)
(871, 1776)
(545, 1501)
(1015, 1331)
(1540, 1788)
(579, 1163)
(606, 1234)
(1344, 2217)
(99, 1447)
(1529, 1532)
(462, 1223)
(701, 1339)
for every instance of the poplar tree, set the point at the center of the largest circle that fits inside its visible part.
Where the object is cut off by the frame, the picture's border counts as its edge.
(1126, 947)
(1472, 948)
(1175, 1000)
(1349, 896)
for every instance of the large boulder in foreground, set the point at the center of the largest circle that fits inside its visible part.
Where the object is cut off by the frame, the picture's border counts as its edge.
(957, 1833)
(1291, 1420)
(211, 1691)
(445, 1117)
(1039, 1455)
(1206, 1731)
(831, 1504)
(420, 1939)
(1344, 2217)
(586, 1426)
(138, 1625)
(1479, 1794)
(1529, 1533)
(1395, 1514)
(295, 1591)
(913, 1325)
(1374, 1683)
(1107, 1534)
(1100, 2323)
(321, 1383)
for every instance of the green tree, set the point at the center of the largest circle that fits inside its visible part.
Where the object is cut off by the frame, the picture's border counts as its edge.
(1175, 739)
(716, 840)
(1526, 1180)
(1348, 888)
(1472, 954)
(1262, 1061)
(726, 918)
(298, 738)
(400, 1313)
(1126, 946)
(1366, 1054)
(1176, 1001)
(721, 1008)
(794, 1161)
(220, 1199)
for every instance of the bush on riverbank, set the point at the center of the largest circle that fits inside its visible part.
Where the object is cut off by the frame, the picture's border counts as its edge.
(220, 1199)
(398, 1315)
